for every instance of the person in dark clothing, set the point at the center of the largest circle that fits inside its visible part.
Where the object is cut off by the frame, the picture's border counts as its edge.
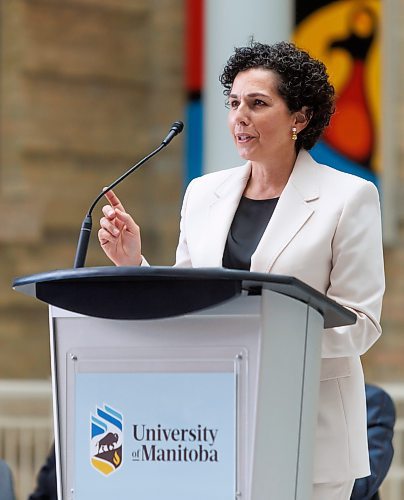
(381, 416)
(46, 488)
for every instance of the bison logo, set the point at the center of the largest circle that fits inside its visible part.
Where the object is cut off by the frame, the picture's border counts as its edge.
(106, 440)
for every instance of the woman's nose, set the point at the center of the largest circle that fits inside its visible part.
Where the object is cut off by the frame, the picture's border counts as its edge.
(242, 115)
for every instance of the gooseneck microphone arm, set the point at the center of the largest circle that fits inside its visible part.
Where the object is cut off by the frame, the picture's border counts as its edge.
(87, 224)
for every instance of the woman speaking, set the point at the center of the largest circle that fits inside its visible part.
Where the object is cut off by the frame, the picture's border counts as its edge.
(281, 212)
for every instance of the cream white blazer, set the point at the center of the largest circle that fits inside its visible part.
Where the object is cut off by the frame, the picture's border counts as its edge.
(326, 231)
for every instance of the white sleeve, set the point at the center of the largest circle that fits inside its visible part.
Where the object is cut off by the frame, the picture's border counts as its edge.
(182, 256)
(357, 275)
(144, 262)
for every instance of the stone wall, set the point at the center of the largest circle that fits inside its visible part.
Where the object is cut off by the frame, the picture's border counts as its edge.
(88, 87)
(385, 361)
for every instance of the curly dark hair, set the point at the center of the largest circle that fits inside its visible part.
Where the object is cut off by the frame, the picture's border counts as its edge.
(303, 81)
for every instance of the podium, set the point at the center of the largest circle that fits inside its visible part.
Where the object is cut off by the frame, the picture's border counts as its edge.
(184, 384)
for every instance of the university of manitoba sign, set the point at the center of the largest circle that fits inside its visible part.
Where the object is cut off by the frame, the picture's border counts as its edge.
(163, 444)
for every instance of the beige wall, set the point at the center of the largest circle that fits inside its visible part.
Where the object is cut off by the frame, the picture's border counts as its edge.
(385, 361)
(86, 88)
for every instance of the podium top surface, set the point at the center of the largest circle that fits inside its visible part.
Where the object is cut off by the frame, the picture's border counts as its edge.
(158, 292)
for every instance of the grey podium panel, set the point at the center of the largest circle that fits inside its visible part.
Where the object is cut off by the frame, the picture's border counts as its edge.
(270, 342)
(263, 329)
(287, 399)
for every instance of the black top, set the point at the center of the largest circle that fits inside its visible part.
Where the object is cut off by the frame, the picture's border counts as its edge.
(248, 226)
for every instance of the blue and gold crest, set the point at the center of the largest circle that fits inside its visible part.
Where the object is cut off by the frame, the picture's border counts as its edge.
(106, 440)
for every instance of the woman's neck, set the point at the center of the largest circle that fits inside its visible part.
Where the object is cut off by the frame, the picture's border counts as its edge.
(268, 180)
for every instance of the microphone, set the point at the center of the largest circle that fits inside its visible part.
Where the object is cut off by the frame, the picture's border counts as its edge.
(85, 231)
(176, 128)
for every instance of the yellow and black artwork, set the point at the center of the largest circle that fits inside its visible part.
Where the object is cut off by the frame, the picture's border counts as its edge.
(345, 35)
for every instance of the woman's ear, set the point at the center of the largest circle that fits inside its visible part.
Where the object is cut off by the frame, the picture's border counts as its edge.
(302, 118)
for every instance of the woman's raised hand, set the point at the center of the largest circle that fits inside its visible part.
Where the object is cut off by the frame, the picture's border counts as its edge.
(119, 235)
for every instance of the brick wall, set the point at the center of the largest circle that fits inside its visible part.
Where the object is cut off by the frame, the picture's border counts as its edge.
(86, 88)
(385, 361)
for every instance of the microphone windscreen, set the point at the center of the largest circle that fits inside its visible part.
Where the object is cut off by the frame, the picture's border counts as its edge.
(177, 127)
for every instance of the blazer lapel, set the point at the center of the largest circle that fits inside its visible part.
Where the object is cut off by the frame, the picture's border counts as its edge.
(292, 212)
(222, 208)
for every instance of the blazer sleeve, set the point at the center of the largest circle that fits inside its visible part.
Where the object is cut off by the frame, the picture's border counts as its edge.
(357, 274)
(182, 257)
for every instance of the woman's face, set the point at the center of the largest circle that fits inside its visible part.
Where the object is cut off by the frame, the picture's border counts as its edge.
(259, 119)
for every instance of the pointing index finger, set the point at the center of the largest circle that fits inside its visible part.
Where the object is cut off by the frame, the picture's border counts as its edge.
(113, 200)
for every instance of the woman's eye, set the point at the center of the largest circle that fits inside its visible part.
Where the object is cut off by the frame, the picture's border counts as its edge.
(233, 104)
(258, 102)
